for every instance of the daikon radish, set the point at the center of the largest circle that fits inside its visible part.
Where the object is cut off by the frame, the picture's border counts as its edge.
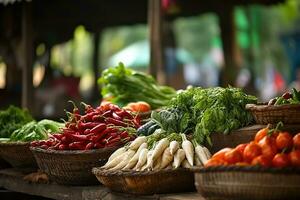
(157, 163)
(167, 158)
(142, 159)
(200, 152)
(132, 162)
(115, 161)
(197, 161)
(125, 160)
(169, 166)
(185, 164)
(207, 153)
(117, 153)
(137, 142)
(159, 149)
(174, 146)
(149, 156)
(188, 148)
(178, 158)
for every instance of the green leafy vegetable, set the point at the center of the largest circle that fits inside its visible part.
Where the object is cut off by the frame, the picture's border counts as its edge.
(12, 119)
(126, 85)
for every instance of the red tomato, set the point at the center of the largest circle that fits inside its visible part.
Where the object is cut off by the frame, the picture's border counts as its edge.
(284, 140)
(220, 154)
(260, 134)
(296, 141)
(233, 156)
(281, 160)
(214, 162)
(251, 151)
(295, 158)
(241, 148)
(262, 160)
(268, 146)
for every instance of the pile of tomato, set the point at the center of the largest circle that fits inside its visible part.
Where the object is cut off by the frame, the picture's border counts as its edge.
(268, 149)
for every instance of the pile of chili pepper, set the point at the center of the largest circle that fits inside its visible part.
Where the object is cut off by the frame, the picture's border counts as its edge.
(104, 126)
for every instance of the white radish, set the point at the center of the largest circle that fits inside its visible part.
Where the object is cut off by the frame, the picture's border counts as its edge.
(142, 159)
(169, 166)
(132, 162)
(174, 146)
(207, 153)
(137, 142)
(159, 149)
(178, 158)
(157, 163)
(124, 161)
(200, 152)
(188, 148)
(167, 158)
(115, 161)
(117, 153)
(149, 156)
(198, 163)
(185, 164)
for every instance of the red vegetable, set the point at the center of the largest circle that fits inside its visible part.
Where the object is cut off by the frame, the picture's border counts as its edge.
(99, 128)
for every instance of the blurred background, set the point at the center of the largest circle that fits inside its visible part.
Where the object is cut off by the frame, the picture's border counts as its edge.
(61, 47)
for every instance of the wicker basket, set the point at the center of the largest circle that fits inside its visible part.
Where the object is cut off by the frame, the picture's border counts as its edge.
(270, 114)
(71, 167)
(17, 154)
(147, 182)
(248, 182)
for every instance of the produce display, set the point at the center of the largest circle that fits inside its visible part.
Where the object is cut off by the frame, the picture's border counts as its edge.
(12, 119)
(270, 148)
(104, 126)
(292, 97)
(201, 112)
(35, 131)
(157, 152)
(123, 85)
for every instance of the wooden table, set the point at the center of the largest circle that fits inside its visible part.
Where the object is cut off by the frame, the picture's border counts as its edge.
(12, 179)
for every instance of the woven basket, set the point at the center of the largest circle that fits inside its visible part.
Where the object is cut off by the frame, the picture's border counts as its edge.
(147, 182)
(248, 182)
(17, 154)
(71, 167)
(270, 114)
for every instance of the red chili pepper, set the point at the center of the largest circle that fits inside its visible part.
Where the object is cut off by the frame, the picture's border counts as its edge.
(71, 125)
(102, 134)
(107, 113)
(65, 140)
(117, 117)
(98, 128)
(87, 108)
(76, 138)
(124, 134)
(115, 122)
(77, 145)
(124, 114)
(87, 131)
(57, 136)
(89, 116)
(75, 108)
(89, 146)
(44, 146)
(87, 125)
(98, 145)
(63, 147)
(98, 118)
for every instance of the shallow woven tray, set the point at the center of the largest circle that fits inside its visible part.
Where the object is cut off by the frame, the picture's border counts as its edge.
(248, 182)
(270, 114)
(71, 167)
(147, 182)
(17, 154)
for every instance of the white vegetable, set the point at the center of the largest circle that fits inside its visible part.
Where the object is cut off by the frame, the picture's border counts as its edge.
(169, 166)
(149, 156)
(174, 146)
(188, 148)
(132, 162)
(178, 158)
(167, 158)
(125, 160)
(159, 149)
(185, 164)
(142, 159)
(201, 154)
(117, 153)
(197, 161)
(113, 162)
(207, 153)
(137, 142)
(157, 164)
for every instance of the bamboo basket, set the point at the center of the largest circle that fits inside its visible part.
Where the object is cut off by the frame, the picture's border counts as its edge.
(73, 167)
(17, 154)
(248, 183)
(271, 114)
(147, 182)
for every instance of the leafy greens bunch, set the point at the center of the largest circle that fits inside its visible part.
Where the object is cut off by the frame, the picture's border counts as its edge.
(125, 85)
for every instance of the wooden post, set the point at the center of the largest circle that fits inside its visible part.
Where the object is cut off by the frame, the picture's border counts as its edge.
(229, 71)
(27, 37)
(96, 95)
(155, 22)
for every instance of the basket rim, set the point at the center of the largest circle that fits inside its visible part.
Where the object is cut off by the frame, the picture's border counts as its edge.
(14, 143)
(265, 107)
(253, 169)
(130, 173)
(73, 152)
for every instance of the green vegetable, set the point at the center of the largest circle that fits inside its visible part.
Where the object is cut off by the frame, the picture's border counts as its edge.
(295, 95)
(35, 130)
(12, 119)
(126, 85)
(279, 101)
